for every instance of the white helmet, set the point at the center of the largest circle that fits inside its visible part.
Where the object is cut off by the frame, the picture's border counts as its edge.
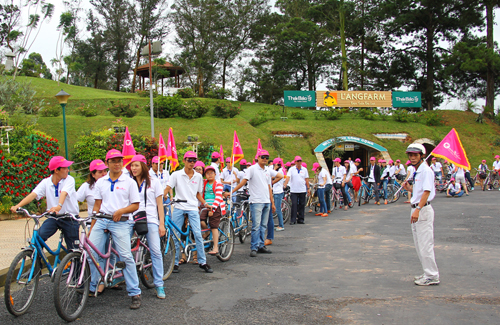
(416, 148)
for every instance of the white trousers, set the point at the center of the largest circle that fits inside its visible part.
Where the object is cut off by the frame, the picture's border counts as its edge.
(423, 236)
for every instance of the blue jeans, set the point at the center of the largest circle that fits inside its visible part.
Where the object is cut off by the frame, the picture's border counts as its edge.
(459, 194)
(227, 188)
(346, 188)
(260, 215)
(194, 223)
(328, 196)
(384, 184)
(270, 225)
(321, 198)
(69, 229)
(120, 231)
(278, 198)
(438, 175)
(153, 237)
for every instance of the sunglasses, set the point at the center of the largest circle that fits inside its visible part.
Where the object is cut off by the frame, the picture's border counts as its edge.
(298, 161)
(264, 157)
(191, 160)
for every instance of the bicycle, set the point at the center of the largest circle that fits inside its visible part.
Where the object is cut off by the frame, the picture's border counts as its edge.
(240, 217)
(226, 237)
(488, 183)
(397, 192)
(312, 200)
(338, 198)
(72, 282)
(366, 192)
(25, 270)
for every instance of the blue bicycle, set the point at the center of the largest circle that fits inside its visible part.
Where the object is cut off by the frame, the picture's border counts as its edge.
(240, 218)
(366, 192)
(24, 273)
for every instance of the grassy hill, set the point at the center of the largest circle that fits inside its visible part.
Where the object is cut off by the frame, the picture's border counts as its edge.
(478, 139)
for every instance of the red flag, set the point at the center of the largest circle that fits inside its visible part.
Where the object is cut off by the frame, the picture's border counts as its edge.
(162, 149)
(452, 150)
(172, 151)
(222, 161)
(128, 150)
(237, 152)
(259, 148)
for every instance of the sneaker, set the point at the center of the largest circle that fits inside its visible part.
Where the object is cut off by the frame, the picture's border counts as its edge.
(418, 277)
(176, 269)
(489, 189)
(324, 215)
(253, 254)
(472, 189)
(268, 242)
(207, 268)
(264, 250)
(160, 292)
(280, 229)
(426, 282)
(136, 302)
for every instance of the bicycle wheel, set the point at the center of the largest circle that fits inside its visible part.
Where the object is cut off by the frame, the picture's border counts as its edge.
(19, 292)
(70, 297)
(286, 210)
(226, 240)
(168, 251)
(485, 184)
(351, 195)
(496, 184)
(243, 233)
(360, 195)
(397, 195)
(390, 193)
(146, 274)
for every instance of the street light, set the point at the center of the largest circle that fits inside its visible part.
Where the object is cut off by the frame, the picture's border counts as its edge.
(62, 97)
(150, 50)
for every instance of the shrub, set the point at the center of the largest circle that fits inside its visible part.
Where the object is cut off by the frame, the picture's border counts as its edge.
(186, 92)
(401, 115)
(120, 109)
(258, 120)
(298, 115)
(366, 114)
(145, 93)
(166, 106)
(226, 110)
(432, 119)
(14, 94)
(87, 111)
(331, 114)
(218, 92)
(193, 109)
(384, 115)
(51, 111)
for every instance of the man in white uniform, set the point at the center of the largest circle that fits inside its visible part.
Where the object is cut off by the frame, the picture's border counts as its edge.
(422, 215)
(215, 164)
(298, 180)
(496, 168)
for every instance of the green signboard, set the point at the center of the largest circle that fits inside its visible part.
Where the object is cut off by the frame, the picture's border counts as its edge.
(295, 98)
(406, 99)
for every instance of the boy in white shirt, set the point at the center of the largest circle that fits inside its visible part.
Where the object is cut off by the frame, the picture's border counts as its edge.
(454, 189)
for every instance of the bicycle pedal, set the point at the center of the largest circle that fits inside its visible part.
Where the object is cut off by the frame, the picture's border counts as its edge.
(120, 265)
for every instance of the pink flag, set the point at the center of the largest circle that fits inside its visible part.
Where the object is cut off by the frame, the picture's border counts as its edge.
(452, 150)
(162, 149)
(128, 150)
(259, 148)
(172, 151)
(237, 152)
(222, 161)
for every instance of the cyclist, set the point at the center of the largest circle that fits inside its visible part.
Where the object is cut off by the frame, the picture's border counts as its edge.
(162, 175)
(215, 209)
(384, 177)
(199, 167)
(483, 170)
(86, 191)
(59, 190)
(261, 201)
(422, 214)
(151, 194)
(188, 186)
(454, 189)
(437, 168)
(496, 169)
(328, 190)
(350, 169)
(116, 194)
(374, 178)
(322, 181)
(229, 176)
(400, 170)
(215, 164)
(339, 180)
(356, 181)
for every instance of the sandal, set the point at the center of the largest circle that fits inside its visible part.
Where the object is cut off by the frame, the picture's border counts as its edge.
(213, 253)
(182, 261)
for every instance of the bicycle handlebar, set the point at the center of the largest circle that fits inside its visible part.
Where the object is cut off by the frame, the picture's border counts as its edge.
(174, 201)
(45, 214)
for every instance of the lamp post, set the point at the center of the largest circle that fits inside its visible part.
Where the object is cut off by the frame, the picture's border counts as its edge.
(62, 97)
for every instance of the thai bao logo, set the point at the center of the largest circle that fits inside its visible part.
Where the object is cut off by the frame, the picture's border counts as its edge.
(330, 98)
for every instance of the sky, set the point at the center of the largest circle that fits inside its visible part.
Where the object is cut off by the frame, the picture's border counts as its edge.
(45, 44)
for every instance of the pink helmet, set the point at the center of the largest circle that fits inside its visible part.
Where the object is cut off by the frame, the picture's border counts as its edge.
(59, 161)
(139, 158)
(347, 162)
(190, 154)
(209, 168)
(215, 154)
(338, 160)
(408, 163)
(288, 164)
(315, 166)
(243, 162)
(304, 164)
(398, 161)
(484, 161)
(391, 161)
(382, 161)
(97, 164)
(228, 160)
(497, 156)
(199, 164)
(113, 153)
(357, 160)
(373, 159)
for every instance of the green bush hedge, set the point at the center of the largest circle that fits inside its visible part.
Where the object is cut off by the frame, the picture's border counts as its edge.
(166, 106)
(226, 110)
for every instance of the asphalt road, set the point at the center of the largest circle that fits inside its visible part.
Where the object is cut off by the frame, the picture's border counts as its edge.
(354, 267)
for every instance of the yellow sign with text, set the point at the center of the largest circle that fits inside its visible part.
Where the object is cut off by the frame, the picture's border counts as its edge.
(332, 98)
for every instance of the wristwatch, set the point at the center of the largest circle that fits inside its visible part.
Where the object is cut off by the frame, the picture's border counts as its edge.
(59, 204)
(418, 207)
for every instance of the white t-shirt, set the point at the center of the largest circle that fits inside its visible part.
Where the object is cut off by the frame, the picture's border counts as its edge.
(229, 176)
(259, 180)
(392, 171)
(436, 167)
(321, 178)
(47, 189)
(217, 173)
(482, 167)
(455, 188)
(278, 186)
(124, 193)
(85, 193)
(371, 177)
(496, 165)
(460, 172)
(410, 170)
(385, 172)
(338, 174)
(186, 189)
(328, 177)
(297, 180)
(154, 190)
(402, 170)
(241, 175)
(424, 181)
(163, 177)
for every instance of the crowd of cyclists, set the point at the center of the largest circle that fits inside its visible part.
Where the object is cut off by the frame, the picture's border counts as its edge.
(204, 194)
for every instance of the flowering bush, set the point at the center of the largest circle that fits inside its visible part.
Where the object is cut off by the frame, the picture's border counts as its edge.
(193, 109)
(119, 109)
(87, 110)
(21, 171)
(226, 109)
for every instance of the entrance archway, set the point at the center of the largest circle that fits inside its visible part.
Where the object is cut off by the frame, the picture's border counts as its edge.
(352, 147)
